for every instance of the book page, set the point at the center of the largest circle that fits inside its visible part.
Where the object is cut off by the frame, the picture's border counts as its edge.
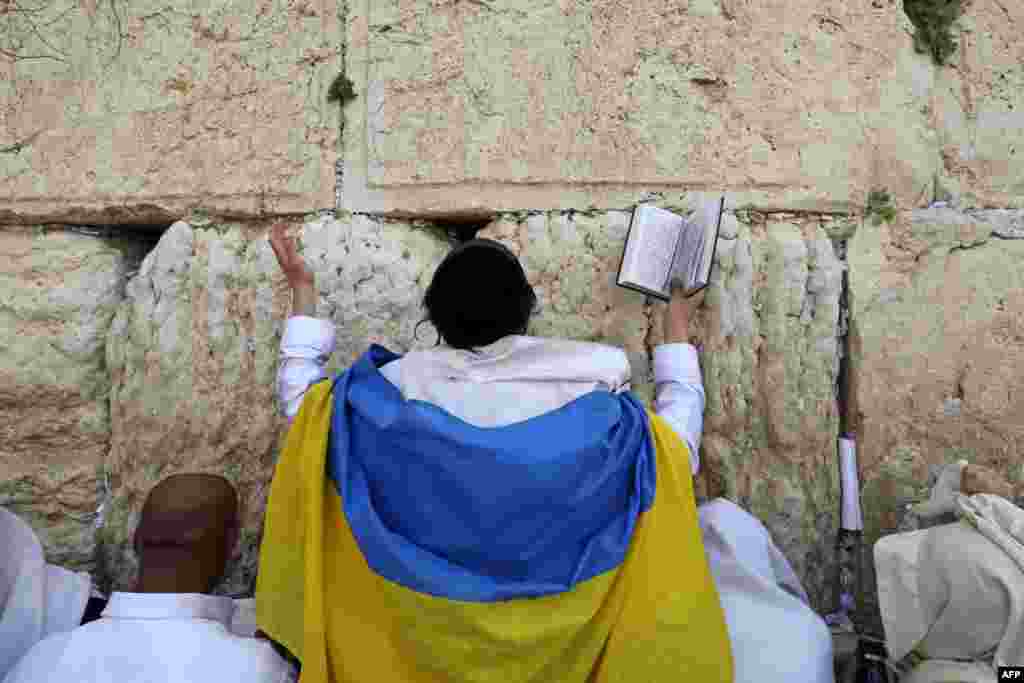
(689, 241)
(650, 248)
(712, 221)
(698, 256)
(693, 262)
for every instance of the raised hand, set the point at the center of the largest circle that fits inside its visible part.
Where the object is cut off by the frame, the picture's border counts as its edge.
(299, 276)
(678, 315)
(288, 257)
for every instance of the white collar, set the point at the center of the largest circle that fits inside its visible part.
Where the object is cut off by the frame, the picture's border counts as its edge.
(170, 606)
(522, 357)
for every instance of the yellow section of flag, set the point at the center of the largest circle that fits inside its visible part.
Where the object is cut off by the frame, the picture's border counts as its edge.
(656, 617)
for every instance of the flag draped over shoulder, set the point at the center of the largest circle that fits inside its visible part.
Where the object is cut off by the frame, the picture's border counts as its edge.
(403, 544)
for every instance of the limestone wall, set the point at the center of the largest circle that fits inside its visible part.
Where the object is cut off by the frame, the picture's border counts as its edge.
(937, 301)
(60, 291)
(546, 122)
(118, 112)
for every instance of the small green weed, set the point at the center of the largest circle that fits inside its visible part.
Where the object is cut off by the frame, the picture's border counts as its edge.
(932, 20)
(342, 90)
(880, 207)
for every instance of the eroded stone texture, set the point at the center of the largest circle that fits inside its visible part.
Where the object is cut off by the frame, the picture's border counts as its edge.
(193, 356)
(769, 364)
(572, 260)
(938, 348)
(534, 105)
(138, 112)
(977, 106)
(769, 357)
(59, 293)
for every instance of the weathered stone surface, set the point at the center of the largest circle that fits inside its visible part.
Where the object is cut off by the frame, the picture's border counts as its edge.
(139, 112)
(979, 479)
(58, 294)
(193, 353)
(977, 107)
(572, 260)
(769, 360)
(193, 350)
(937, 335)
(473, 106)
(193, 356)
(769, 364)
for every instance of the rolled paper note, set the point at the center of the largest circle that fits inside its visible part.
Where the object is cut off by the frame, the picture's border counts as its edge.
(850, 515)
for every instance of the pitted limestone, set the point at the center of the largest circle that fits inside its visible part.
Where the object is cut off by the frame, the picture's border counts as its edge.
(572, 259)
(769, 331)
(977, 108)
(193, 356)
(58, 294)
(532, 105)
(938, 341)
(140, 112)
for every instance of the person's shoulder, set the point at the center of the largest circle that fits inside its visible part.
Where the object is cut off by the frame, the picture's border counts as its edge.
(255, 655)
(597, 355)
(571, 345)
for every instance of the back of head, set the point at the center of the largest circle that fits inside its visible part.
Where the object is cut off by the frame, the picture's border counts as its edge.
(188, 527)
(479, 294)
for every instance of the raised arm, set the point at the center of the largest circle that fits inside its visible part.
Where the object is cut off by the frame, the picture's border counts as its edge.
(678, 389)
(308, 342)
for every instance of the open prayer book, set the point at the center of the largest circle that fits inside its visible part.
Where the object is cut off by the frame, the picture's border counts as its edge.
(662, 247)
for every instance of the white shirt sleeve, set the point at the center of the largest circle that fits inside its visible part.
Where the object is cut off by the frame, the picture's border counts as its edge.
(679, 394)
(306, 346)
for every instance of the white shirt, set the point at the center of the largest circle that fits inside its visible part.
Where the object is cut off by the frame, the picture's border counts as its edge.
(511, 380)
(154, 638)
(36, 599)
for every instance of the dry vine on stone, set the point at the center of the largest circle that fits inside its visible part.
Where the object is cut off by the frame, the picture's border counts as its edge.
(36, 29)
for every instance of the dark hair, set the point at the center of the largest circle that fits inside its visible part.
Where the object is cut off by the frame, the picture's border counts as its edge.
(478, 295)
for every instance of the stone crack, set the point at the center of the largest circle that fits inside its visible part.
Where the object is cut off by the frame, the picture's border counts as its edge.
(20, 144)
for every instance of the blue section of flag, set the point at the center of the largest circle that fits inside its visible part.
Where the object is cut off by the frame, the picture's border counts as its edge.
(485, 514)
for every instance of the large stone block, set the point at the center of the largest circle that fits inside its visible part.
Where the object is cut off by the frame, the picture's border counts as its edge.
(978, 107)
(769, 327)
(479, 106)
(58, 294)
(769, 364)
(193, 350)
(140, 112)
(937, 336)
(572, 260)
(193, 354)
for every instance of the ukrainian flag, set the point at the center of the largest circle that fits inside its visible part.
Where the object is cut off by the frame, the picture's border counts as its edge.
(403, 544)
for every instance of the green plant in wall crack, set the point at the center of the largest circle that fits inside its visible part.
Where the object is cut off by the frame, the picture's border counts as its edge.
(880, 207)
(342, 90)
(933, 20)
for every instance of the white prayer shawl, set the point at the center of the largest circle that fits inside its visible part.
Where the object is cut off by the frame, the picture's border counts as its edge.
(36, 599)
(1002, 522)
(945, 671)
(775, 636)
(956, 592)
(512, 380)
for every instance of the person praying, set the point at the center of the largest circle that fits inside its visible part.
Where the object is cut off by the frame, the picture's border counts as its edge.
(502, 507)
